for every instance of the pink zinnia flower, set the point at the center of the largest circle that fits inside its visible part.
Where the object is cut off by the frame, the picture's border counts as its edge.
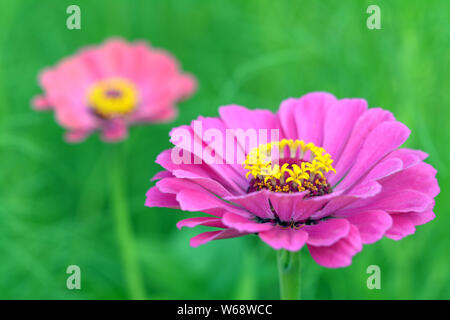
(340, 179)
(111, 86)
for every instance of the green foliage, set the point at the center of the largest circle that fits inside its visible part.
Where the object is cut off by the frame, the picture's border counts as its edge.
(55, 206)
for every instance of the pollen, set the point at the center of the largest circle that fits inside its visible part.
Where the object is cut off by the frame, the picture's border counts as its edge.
(112, 97)
(289, 166)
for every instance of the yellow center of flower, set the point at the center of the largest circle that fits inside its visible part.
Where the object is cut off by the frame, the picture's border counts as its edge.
(113, 97)
(289, 166)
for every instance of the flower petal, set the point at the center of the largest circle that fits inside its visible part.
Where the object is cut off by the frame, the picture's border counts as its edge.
(401, 227)
(409, 157)
(340, 203)
(310, 116)
(384, 168)
(161, 175)
(383, 139)
(201, 221)
(207, 183)
(191, 145)
(156, 198)
(421, 177)
(288, 239)
(191, 196)
(76, 136)
(364, 126)
(339, 254)
(327, 232)
(419, 218)
(255, 202)
(287, 118)
(243, 224)
(206, 237)
(262, 123)
(394, 202)
(199, 170)
(339, 123)
(115, 130)
(41, 103)
(371, 224)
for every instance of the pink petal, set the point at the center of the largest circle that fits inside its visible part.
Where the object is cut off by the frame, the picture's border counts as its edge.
(310, 115)
(285, 204)
(206, 237)
(200, 170)
(327, 232)
(400, 200)
(243, 224)
(186, 85)
(363, 127)
(201, 221)
(156, 198)
(207, 183)
(365, 190)
(385, 138)
(161, 175)
(110, 59)
(401, 227)
(41, 103)
(409, 157)
(241, 118)
(190, 196)
(238, 117)
(76, 136)
(339, 254)
(186, 140)
(339, 123)
(419, 218)
(287, 119)
(255, 202)
(65, 89)
(288, 239)
(371, 224)
(384, 168)
(164, 114)
(421, 177)
(231, 156)
(341, 202)
(114, 130)
(306, 208)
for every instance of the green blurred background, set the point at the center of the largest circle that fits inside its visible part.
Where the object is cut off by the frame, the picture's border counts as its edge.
(55, 199)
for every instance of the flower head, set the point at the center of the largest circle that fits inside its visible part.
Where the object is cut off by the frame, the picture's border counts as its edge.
(333, 179)
(111, 86)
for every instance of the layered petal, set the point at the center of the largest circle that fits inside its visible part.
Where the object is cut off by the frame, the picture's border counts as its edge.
(201, 221)
(288, 239)
(250, 127)
(208, 236)
(244, 224)
(339, 124)
(327, 232)
(371, 224)
(385, 138)
(309, 113)
(339, 254)
(156, 198)
(363, 128)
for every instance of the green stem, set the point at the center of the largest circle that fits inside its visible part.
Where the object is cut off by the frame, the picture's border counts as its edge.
(289, 273)
(123, 227)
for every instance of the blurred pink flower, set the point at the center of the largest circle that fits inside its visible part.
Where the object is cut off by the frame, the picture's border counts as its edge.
(111, 86)
(372, 189)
